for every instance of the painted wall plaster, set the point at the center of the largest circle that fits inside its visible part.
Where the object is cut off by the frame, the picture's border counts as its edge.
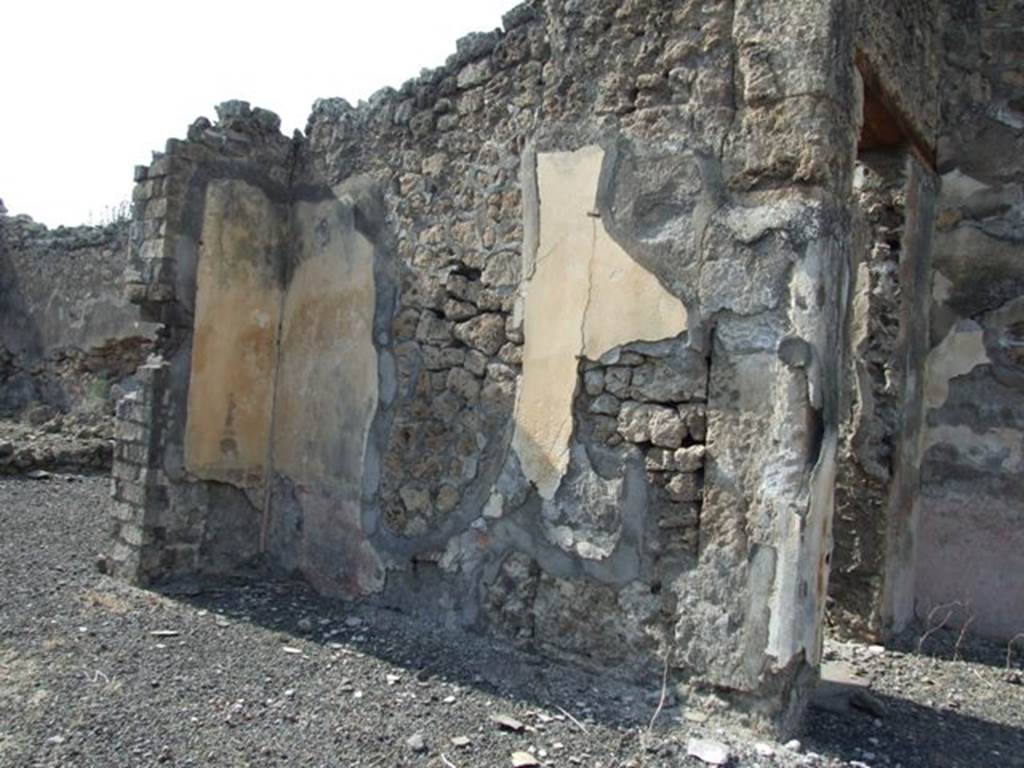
(326, 399)
(971, 536)
(234, 351)
(327, 383)
(584, 297)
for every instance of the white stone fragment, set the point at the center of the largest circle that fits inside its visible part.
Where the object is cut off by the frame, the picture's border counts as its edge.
(708, 751)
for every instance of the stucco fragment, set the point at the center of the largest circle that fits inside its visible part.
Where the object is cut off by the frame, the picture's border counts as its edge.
(327, 383)
(584, 297)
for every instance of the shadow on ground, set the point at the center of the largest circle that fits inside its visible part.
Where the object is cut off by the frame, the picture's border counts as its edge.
(915, 736)
(429, 651)
(909, 734)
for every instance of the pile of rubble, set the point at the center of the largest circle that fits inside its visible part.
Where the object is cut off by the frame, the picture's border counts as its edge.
(45, 440)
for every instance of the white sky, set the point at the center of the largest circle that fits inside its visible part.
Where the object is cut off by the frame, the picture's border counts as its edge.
(88, 88)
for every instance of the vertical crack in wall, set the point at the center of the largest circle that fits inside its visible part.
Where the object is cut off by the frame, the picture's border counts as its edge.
(268, 480)
(595, 218)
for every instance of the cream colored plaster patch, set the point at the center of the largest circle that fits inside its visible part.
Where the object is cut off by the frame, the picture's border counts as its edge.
(234, 349)
(959, 353)
(327, 383)
(626, 302)
(586, 296)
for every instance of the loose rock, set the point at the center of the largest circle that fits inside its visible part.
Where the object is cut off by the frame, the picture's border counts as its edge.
(708, 751)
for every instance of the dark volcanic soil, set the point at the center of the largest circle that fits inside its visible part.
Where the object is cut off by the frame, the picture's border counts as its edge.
(95, 673)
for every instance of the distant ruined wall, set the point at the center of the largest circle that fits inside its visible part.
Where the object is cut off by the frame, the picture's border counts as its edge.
(971, 538)
(66, 329)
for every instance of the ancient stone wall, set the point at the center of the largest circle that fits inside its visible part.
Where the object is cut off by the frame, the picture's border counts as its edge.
(928, 501)
(544, 343)
(63, 315)
(873, 561)
(698, 184)
(971, 539)
(69, 343)
(189, 492)
(579, 338)
(875, 524)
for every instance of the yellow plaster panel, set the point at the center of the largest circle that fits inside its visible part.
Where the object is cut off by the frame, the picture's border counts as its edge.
(627, 303)
(327, 382)
(585, 297)
(234, 349)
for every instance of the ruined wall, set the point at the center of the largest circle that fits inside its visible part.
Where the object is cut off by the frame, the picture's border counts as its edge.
(66, 330)
(612, 503)
(898, 53)
(876, 491)
(971, 540)
(545, 342)
(875, 529)
(69, 344)
(188, 496)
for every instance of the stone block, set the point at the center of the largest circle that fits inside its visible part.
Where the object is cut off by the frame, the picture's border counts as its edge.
(122, 470)
(436, 359)
(476, 362)
(123, 511)
(593, 382)
(617, 380)
(125, 557)
(129, 492)
(432, 329)
(689, 459)
(671, 380)
(132, 453)
(485, 333)
(474, 74)
(674, 516)
(130, 432)
(695, 418)
(684, 486)
(156, 208)
(160, 166)
(463, 383)
(660, 460)
(646, 423)
(133, 535)
(606, 405)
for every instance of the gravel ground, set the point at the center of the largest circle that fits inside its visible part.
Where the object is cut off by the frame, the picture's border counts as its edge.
(95, 673)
